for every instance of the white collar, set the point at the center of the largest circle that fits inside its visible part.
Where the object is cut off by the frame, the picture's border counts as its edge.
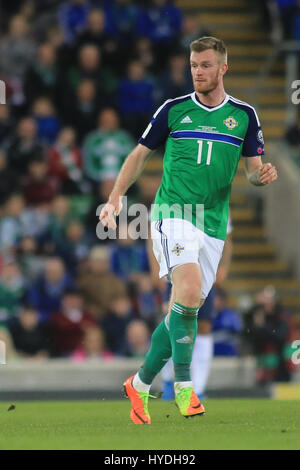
(193, 95)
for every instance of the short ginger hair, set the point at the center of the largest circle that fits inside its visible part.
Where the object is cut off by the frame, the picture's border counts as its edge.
(209, 42)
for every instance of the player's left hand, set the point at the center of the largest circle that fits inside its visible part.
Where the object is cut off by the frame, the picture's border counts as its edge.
(267, 173)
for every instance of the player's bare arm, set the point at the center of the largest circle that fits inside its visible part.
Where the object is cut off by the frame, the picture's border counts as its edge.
(258, 173)
(129, 173)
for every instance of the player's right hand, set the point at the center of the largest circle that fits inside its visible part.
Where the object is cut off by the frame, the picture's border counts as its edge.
(267, 173)
(108, 214)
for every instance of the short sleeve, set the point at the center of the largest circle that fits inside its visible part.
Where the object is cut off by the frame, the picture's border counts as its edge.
(254, 140)
(158, 130)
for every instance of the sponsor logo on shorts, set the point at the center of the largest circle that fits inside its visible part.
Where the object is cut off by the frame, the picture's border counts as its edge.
(177, 249)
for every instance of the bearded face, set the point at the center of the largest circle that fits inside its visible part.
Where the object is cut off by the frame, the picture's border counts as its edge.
(207, 70)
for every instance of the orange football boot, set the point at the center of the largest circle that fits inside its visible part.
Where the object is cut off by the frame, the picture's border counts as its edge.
(188, 403)
(139, 400)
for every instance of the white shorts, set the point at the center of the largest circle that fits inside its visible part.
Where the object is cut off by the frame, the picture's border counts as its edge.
(177, 242)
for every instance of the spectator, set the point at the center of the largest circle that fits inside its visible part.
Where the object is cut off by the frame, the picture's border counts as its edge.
(288, 10)
(65, 162)
(137, 338)
(176, 80)
(46, 294)
(106, 148)
(161, 22)
(136, 99)
(30, 336)
(69, 323)
(191, 30)
(82, 113)
(96, 34)
(121, 18)
(28, 11)
(12, 288)
(35, 220)
(98, 285)
(41, 77)
(143, 52)
(17, 52)
(93, 346)
(9, 180)
(270, 331)
(89, 66)
(146, 300)
(6, 125)
(73, 15)
(12, 223)
(48, 124)
(74, 249)
(226, 327)
(114, 324)
(31, 262)
(59, 217)
(128, 258)
(38, 186)
(24, 147)
(65, 54)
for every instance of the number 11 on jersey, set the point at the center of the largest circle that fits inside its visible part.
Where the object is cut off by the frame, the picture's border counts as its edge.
(200, 148)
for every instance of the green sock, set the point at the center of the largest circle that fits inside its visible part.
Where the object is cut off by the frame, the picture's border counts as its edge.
(160, 351)
(183, 331)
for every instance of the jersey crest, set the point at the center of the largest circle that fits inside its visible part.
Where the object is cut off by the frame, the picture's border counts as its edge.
(230, 122)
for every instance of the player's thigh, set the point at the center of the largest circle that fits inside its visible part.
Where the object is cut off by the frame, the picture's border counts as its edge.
(209, 258)
(187, 280)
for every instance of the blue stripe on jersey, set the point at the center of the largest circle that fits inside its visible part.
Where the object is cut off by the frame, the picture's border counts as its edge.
(158, 130)
(207, 135)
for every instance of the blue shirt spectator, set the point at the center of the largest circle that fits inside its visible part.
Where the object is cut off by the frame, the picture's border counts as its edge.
(136, 91)
(226, 327)
(128, 258)
(46, 294)
(136, 99)
(160, 22)
(73, 17)
(121, 18)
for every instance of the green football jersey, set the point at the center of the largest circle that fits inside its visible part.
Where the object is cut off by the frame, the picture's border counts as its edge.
(203, 148)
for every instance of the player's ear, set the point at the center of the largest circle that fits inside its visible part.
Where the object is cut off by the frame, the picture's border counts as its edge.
(224, 69)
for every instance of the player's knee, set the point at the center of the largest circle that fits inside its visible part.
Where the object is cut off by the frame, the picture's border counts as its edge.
(189, 293)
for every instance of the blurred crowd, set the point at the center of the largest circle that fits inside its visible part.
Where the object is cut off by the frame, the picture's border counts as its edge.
(289, 14)
(83, 79)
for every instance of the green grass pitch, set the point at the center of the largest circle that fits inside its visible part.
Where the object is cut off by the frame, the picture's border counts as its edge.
(228, 424)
